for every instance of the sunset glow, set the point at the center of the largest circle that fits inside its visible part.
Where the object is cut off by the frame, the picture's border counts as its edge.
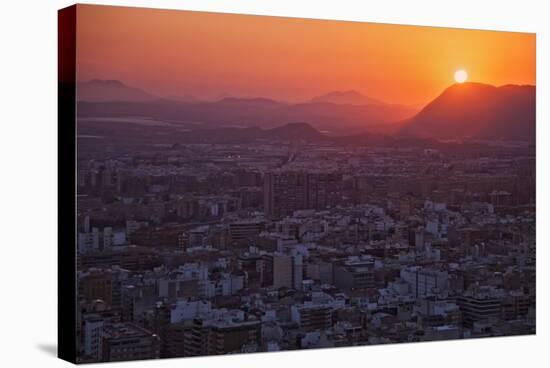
(211, 55)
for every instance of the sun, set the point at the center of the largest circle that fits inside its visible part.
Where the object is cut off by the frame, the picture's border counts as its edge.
(461, 76)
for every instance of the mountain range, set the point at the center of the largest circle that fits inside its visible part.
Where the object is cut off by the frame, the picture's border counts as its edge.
(475, 110)
(462, 111)
(98, 90)
(337, 112)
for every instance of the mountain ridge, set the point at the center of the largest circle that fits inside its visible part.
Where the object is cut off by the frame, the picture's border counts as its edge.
(105, 90)
(477, 110)
(238, 111)
(468, 110)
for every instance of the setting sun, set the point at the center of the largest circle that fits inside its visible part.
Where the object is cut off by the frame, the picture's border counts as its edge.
(461, 76)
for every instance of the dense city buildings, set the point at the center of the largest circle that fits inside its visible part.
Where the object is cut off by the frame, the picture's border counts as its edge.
(264, 245)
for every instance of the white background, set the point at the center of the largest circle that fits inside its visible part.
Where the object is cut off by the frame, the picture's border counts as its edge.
(28, 182)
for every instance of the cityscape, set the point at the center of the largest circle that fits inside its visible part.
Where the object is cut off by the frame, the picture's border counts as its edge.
(235, 223)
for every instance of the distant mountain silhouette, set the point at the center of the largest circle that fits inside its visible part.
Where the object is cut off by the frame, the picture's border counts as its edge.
(346, 98)
(475, 110)
(261, 112)
(287, 132)
(98, 90)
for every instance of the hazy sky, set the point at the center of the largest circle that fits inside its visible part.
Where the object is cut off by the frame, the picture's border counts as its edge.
(211, 55)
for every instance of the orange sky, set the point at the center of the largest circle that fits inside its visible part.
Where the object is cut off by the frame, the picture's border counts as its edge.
(211, 55)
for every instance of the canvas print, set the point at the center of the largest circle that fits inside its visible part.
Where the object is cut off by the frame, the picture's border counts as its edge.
(257, 184)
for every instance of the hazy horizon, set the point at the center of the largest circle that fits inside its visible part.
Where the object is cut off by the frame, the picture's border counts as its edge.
(291, 59)
(182, 97)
